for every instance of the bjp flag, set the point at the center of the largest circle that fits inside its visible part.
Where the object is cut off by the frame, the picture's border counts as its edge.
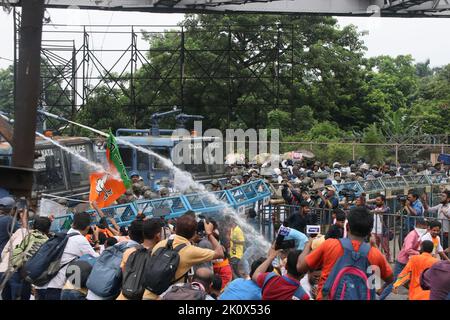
(106, 188)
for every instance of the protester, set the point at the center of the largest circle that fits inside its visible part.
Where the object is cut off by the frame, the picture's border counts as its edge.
(237, 242)
(413, 269)
(7, 227)
(276, 287)
(434, 229)
(245, 289)
(17, 288)
(336, 231)
(190, 255)
(76, 247)
(411, 247)
(325, 257)
(436, 280)
(198, 289)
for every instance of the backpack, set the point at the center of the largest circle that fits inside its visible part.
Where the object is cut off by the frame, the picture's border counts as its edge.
(105, 278)
(349, 279)
(185, 291)
(45, 264)
(298, 294)
(27, 248)
(161, 268)
(133, 275)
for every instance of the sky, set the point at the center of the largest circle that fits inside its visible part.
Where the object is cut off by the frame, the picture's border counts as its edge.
(423, 38)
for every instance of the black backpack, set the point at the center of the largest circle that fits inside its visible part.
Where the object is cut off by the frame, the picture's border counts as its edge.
(161, 268)
(134, 274)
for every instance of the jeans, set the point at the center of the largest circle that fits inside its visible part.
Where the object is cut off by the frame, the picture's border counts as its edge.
(234, 262)
(50, 294)
(397, 270)
(20, 289)
(72, 295)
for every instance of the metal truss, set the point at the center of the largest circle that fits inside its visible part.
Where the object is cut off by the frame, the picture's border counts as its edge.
(71, 72)
(389, 8)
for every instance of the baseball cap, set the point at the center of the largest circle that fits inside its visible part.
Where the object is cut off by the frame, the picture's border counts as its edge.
(133, 173)
(327, 182)
(7, 202)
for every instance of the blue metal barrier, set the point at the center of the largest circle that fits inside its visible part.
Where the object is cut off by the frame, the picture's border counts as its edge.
(175, 206)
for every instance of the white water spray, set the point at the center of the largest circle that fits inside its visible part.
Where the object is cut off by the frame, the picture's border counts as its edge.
(94, 165)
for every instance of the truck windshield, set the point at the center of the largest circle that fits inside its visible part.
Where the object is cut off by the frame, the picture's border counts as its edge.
(50, 173)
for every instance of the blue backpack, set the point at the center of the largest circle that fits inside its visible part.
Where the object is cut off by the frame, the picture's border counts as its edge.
(46, 262)
(349, 279)
(105, 278)
(298, 294)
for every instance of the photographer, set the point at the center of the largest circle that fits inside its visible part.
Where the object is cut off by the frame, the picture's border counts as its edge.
(414, 208)
(329, 199)
(289, 194)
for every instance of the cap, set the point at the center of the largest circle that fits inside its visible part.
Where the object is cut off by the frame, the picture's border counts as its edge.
(7, 202)
(327, 182)
(133, 173)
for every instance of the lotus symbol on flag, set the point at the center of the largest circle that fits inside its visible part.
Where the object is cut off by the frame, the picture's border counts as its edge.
(100, 187)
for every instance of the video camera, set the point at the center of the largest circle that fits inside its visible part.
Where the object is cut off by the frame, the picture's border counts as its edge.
(200, 223)
(402, 197)
(280, 243)
(350, 194)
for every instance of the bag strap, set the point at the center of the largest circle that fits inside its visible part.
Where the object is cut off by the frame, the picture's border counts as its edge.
(178, 249)
(291, 281)
(300, 293)
(364, 249)
(270, 276)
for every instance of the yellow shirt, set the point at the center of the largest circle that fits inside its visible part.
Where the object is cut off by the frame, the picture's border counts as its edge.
(189, 257)
(236, 250)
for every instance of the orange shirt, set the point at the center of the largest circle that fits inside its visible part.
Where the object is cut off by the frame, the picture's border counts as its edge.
(328, 253)
(412, 271)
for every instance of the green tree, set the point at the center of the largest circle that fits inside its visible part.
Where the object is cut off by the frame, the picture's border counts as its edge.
(6, 91)
(374, 154)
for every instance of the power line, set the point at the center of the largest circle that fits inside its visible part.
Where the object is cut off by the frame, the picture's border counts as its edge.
(2, 58)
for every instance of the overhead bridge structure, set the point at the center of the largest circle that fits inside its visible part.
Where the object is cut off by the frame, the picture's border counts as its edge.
(399, 8)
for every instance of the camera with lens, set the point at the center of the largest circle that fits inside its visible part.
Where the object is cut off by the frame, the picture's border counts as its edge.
(200, 224)
(402, 197)
(315, 194)
(350, 194)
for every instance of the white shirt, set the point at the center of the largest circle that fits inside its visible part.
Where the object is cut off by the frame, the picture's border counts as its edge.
(436, 249)
(76, 247)
(443, 213)
(304, 282)
(377, 224)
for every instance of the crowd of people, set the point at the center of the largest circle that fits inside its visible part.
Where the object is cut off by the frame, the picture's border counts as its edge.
(194, 257)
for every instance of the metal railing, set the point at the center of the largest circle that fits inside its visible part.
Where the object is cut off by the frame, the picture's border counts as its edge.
(238, 198)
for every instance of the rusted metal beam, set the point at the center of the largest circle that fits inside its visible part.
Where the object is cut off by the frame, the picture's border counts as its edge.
(28, 78)
(6, 130)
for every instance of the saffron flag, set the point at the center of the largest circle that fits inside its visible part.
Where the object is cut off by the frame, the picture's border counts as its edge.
(108, 187)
